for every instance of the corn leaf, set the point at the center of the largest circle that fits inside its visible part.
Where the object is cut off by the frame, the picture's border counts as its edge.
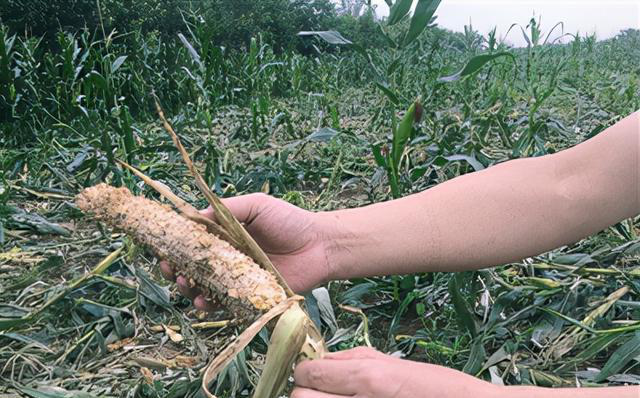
(402, 134)
(596, 346)
(387, 90)
(226, 356)
(53, 392)
(477, 166)
(421, 17)
(474, 65)
(620, 358)
(118, 63)
(477, 357)
(330, 36)
(465, 316)
(399, 10)
(10, 323)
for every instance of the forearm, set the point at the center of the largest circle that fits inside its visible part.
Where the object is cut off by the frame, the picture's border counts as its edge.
(502, 214)
(537, 392)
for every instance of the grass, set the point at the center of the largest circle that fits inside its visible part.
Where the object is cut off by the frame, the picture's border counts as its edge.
(305, 129)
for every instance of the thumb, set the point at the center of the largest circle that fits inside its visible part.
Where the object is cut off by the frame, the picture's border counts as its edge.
(245, 207)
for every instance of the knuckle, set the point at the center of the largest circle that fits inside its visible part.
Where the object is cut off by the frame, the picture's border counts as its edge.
(364, 350)
(260, 197)
(259, 202)
(316, 375)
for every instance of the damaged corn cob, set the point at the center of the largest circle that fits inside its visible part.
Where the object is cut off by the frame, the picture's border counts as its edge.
(225, 275)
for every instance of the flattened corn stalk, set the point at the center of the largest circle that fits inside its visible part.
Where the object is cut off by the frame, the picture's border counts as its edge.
(212, 255)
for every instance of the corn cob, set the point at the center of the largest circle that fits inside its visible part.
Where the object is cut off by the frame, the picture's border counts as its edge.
(225, 275)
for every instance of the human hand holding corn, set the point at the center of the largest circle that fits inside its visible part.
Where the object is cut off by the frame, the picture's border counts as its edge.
(294, 239)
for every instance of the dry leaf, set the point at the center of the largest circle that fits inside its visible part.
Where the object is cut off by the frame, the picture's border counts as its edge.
(119, 344)
(160, 328)
(152, 362)
(147, 374)
(173, 335)
(183, 361)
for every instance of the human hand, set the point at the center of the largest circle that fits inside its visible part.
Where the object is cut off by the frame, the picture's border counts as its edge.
(294, 239)
(366, 373)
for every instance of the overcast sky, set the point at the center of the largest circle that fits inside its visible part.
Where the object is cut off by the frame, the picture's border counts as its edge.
(606, 17)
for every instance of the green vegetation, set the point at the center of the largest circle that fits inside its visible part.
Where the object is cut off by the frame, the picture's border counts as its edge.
(321, 121)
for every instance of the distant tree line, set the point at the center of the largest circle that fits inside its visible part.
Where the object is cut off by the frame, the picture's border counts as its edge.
(232, 22)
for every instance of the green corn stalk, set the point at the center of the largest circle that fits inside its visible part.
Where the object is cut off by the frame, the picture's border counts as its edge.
(401, 135)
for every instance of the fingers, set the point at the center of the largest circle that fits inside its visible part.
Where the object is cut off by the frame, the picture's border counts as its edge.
(194, 294)
(167, 271)
(327, 375)
(186, 289)
(308, 393)
(202, 304)
(245, 207)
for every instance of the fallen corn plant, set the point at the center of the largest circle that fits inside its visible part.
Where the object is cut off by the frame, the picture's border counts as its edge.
(245, 284)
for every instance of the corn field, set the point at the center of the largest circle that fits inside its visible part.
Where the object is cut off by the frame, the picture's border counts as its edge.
(84, 311)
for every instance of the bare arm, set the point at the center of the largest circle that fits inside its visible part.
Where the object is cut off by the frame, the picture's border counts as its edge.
(605, 392)
(363, 372)
(505, 213)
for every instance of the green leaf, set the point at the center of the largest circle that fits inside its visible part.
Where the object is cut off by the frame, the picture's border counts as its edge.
(421, 17)
(594, 347)
(403, 132)
(11, 323)
(399, 10)
(377, 155)
(97, 80)
(402, 308)
(477, 357)
(388, 91)
(576, 259)
(384, 86)
(500, 355)
(26, 340)
(620, 358)
(192, 51)
(118, 63)
(386, 36)
(151, 290)
(477, 166)
(465, 316)
(330, 36)
(127, 131)
(107, 146)
(324, 134)
(313, 309)
(475, 64)
(323, 301)
(37, 223)
(54, 392)
(418, 173)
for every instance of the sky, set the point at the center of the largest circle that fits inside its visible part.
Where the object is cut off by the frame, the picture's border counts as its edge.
(605, 18)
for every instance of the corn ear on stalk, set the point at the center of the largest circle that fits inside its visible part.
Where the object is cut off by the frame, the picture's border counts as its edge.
(225, 275)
